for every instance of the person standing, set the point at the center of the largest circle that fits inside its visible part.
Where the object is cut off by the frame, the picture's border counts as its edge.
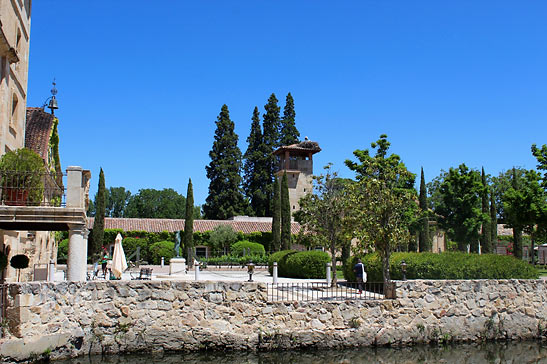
(104, 261)
(359, 270)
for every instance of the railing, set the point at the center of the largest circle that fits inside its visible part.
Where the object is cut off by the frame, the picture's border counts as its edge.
(31, 189)
(278, 292)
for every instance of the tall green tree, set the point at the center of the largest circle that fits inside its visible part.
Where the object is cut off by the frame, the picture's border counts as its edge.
(460, 208)
(323, 212)
(493, 220)
(225, 197)
(289, 133)
(486, 235)
(98, 222)
(380, 200)
(271, 132)
(116, 201)
(501, 184)
(156, 204)
(276, 219)
(285, 213)
(255, 173)
(188, 237)
(424, 241)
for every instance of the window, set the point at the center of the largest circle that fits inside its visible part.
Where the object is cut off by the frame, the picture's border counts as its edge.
(293, 207)
(201, 251)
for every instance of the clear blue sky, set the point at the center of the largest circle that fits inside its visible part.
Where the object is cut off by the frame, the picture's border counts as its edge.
(142, 82)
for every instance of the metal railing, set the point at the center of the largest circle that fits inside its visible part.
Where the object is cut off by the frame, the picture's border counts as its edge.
(31, 189)
(320, 291)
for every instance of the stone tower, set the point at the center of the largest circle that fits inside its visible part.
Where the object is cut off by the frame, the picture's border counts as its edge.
(297, 161)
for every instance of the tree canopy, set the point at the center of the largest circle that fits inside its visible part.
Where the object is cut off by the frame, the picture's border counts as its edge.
(151, 203)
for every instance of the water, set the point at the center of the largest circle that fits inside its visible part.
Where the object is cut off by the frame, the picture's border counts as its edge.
(491, 353)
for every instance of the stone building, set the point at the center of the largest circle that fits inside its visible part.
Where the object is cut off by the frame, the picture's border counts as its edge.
(14, 55)
(297, 161)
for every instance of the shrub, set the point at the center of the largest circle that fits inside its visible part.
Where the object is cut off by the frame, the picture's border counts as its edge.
(130, 246)
(246, 247)
(235, 260)
(451, 265)
(280, 257)
(29, 167)
(308, 264)
(160, 249)
(62, 251)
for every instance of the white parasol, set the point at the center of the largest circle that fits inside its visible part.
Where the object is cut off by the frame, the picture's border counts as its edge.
(119, 263)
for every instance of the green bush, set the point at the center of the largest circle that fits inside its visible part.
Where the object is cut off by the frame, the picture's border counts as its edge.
(308, 264)
(160, 249)
(448, 265)
(235, 260)
(62, 251)
(130, 246)
(246, 247)
(280, 257)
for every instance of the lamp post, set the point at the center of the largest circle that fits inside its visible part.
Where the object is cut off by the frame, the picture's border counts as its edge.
(250, 270)
(403, 269)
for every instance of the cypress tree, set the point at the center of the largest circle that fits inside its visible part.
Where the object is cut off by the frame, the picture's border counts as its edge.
(424, 241)
(272, 126)
(225, 197)
(189, 223)
(493, 221)
(98, 223)
(486, 236)
(255, 173)
(285, 213)
(276, 219)
(517, 228)
(289, 133)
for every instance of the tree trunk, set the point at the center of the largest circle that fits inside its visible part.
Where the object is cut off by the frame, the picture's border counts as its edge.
(333, 262)
(517, 242)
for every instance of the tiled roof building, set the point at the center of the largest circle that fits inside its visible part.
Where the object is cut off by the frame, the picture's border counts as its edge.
(248, 225)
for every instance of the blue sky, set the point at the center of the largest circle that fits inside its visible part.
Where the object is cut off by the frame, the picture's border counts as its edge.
(141, 82)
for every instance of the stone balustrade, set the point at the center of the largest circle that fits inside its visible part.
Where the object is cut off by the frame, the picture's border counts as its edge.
(75, 318)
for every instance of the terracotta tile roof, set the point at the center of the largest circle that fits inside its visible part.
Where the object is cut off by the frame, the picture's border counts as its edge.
(307, 146)
(171, 225)
(38, 131)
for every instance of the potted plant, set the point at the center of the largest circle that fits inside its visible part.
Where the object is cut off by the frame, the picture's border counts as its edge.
(21, 173)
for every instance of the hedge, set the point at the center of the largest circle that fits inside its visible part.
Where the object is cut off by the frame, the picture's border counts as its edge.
(245, 247)
(160, 249)
(235, 260)
(130, 246)
(280, 257)
(62, 251)
(308, 264)
(448, 265)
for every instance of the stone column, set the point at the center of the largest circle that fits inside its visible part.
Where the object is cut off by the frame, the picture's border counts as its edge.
(74, 188)
(77, 253)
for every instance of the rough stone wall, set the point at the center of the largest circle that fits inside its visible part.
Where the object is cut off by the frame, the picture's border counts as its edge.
(69, 319)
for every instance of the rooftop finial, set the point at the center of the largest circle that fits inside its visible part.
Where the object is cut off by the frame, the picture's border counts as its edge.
(53, 101)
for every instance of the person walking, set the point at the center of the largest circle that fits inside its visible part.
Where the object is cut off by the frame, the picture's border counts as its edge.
(359, 270)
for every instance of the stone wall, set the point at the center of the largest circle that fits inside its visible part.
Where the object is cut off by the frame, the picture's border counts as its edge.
(68, 319)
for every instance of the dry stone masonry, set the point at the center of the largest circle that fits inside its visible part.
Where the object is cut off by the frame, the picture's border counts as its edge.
(70, 319)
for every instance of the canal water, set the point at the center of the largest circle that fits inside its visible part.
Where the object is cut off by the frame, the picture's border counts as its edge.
(489, 353)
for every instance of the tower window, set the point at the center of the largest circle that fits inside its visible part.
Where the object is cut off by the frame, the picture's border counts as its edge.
(293, 207)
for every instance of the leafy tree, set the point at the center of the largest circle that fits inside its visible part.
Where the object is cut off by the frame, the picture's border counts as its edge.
(188, 237)
(285, 213)
(501, 184)
(486, 236)
(322, 213)
(378, 203)
(222, 237)
(91, 207)
(424, 240)
(98, 222)
(434, 191)
(116, 201)
(460, 208)
(256, 176)
(276, 219)
(289, 133)
(541, 156)
(155, 204)
(525, 209)
(225, 197)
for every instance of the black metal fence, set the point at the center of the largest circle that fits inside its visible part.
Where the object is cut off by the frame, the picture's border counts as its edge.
(31, 189)
(321, 291)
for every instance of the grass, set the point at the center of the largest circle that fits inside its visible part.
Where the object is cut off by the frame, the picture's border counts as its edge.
(542, 272)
